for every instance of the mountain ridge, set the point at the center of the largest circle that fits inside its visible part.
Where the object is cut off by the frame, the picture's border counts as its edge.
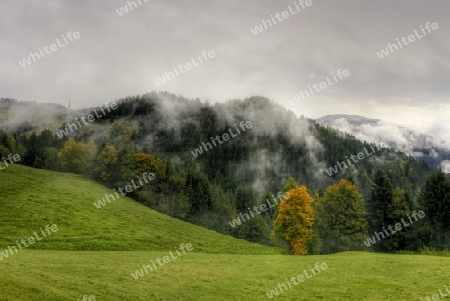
(419, 145)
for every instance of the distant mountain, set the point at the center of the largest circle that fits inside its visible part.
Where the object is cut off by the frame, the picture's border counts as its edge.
(421, 146)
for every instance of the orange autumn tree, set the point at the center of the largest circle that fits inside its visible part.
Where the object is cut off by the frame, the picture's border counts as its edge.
(295, 220)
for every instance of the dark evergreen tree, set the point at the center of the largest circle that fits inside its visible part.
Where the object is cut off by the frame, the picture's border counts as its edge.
(378, 208)
(245, 199)
(434, 200)
(198, 192)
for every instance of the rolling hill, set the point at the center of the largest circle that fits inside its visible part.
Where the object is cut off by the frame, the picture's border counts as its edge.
(32, 198)
(95, 252)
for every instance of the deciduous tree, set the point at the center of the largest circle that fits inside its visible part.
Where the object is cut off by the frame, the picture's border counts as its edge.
(295, 220)
(344, 224)
(77, 157)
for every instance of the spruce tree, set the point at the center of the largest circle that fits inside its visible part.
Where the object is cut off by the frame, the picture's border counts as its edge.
(434, 200)
(198, 192)
(378, 208)
(245, 199)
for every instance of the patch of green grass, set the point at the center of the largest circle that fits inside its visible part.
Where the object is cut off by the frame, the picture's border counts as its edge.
(32, 198)
(64, 275)
(426, 251)
(95, 251)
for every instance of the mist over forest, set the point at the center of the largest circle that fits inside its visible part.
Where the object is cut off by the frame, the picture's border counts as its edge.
(161, 133)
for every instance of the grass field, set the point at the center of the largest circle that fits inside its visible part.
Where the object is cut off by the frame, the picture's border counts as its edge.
(95, 251)
(32, 198)
(65, 275)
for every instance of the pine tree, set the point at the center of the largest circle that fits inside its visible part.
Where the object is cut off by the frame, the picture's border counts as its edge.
(198, 192)
(255, 228)
(378, 207)
(245, 198)
(434, 200)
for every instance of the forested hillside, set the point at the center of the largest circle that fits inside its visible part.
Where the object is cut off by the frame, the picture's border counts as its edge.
(268, 150)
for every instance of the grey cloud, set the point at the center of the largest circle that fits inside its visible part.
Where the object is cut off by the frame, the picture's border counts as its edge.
(118, 56)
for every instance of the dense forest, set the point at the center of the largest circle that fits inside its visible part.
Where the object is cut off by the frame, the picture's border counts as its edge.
(281, 160)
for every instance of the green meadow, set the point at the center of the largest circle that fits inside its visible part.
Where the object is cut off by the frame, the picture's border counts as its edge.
(95, 251)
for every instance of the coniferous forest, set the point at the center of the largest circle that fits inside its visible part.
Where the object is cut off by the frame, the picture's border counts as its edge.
(281, 154)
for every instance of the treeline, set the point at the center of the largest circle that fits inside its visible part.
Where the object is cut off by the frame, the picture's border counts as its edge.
(156, 133)
(10, 103)
(186, 194)
(340, 219)
(278, 146)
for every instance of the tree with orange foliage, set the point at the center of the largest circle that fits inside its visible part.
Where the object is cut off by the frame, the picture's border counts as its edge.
(295, 220)
(148, 163)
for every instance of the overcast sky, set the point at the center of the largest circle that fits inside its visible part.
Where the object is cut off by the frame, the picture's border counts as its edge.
(117, 56)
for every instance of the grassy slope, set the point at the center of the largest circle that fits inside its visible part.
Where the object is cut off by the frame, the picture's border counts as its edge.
(32, 198)
(62, 275)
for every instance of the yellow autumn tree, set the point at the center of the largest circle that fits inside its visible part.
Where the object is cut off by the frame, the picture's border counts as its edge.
(77, 157)
(295, 219)
(107, 163)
